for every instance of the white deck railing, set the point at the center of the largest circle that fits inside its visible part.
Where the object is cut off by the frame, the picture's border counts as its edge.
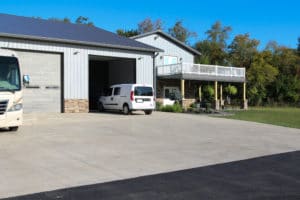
(200, 69)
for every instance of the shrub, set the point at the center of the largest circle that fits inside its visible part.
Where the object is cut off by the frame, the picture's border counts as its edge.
(231, 90)
(172, 108)
(208, 92)
(193, 105)
(190, 109)
(158, 105)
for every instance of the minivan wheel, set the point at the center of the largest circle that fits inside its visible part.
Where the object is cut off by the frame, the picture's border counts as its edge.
(126, 110)
(13, 128)
(100, 107)
(148, 112)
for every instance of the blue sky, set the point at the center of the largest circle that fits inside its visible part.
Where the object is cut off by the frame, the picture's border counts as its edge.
(264, 20)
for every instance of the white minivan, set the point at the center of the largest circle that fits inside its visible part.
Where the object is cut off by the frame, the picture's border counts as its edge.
(127, 98)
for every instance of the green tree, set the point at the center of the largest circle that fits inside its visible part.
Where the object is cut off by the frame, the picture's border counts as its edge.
(260, 75)
(211, 53)
(127, 33)
(214, 48)
(298, 49)
(218, 34)
(242, 50)
(272, 46)
(230, 90)
(84, 20)
(180, 32)
(65, 20)
(147, 25)
(79, 20)
(205, 48)
(286, 87)
(208, 93)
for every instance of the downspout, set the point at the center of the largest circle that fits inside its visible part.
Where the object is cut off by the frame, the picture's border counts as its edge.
(154, 74)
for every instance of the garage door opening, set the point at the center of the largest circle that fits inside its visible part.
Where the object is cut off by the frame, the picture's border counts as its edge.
(107, 71)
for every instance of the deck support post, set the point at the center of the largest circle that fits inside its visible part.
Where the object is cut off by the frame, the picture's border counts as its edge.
(182, 89)
(216, 101)
(245, 101)
(221, 96)
(200, 92)
(184, 102)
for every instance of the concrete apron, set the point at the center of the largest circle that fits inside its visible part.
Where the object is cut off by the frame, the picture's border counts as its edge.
(53, 151)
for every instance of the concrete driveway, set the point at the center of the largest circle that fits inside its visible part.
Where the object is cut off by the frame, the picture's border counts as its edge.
(53, 151)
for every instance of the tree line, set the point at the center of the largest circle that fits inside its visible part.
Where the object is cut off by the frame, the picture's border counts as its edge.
(78, 20)
(273, 73)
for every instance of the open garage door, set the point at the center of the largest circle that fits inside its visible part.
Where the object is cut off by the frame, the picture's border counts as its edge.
(43, 94)
(107, 71)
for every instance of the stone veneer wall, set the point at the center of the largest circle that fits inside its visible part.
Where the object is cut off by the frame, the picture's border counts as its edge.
(187, 102)
(160, 100)
(76, 106)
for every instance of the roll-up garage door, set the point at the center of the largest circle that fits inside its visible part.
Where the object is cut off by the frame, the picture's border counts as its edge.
(43, 94)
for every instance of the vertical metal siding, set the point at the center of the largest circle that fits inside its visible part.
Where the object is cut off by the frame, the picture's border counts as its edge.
(169, 48)
(76, 64)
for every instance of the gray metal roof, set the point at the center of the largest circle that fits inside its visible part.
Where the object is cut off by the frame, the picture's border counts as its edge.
(170, 38)
(47, 30)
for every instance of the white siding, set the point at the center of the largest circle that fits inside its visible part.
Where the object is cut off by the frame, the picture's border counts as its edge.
(170, 49)
(76, 59)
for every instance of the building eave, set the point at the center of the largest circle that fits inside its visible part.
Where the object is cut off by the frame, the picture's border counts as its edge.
(76, 42)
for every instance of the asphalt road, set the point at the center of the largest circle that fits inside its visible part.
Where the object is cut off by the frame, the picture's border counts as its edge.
(271, 177)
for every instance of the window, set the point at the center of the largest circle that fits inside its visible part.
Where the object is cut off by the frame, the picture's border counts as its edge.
(171, 93)
(117, 91)
(143, 91)
(108, 92)
(170, 60)
(167, 93)
(9, 74)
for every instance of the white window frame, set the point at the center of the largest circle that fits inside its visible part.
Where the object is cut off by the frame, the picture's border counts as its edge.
(170, 60)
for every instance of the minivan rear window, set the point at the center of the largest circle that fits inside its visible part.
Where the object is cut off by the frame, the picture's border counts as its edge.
(143, 91)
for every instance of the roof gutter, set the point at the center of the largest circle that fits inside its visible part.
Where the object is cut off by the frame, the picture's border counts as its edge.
(92, 44)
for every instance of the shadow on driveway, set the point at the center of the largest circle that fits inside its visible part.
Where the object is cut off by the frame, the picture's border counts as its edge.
(270, 177)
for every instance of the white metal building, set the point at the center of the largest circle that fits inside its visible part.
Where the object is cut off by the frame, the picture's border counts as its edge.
(178, 75)
(69, 65)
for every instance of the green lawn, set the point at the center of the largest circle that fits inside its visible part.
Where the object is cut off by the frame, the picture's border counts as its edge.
(289, 117)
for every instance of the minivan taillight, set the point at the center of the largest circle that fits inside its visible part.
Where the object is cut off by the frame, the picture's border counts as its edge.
(131, 96)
